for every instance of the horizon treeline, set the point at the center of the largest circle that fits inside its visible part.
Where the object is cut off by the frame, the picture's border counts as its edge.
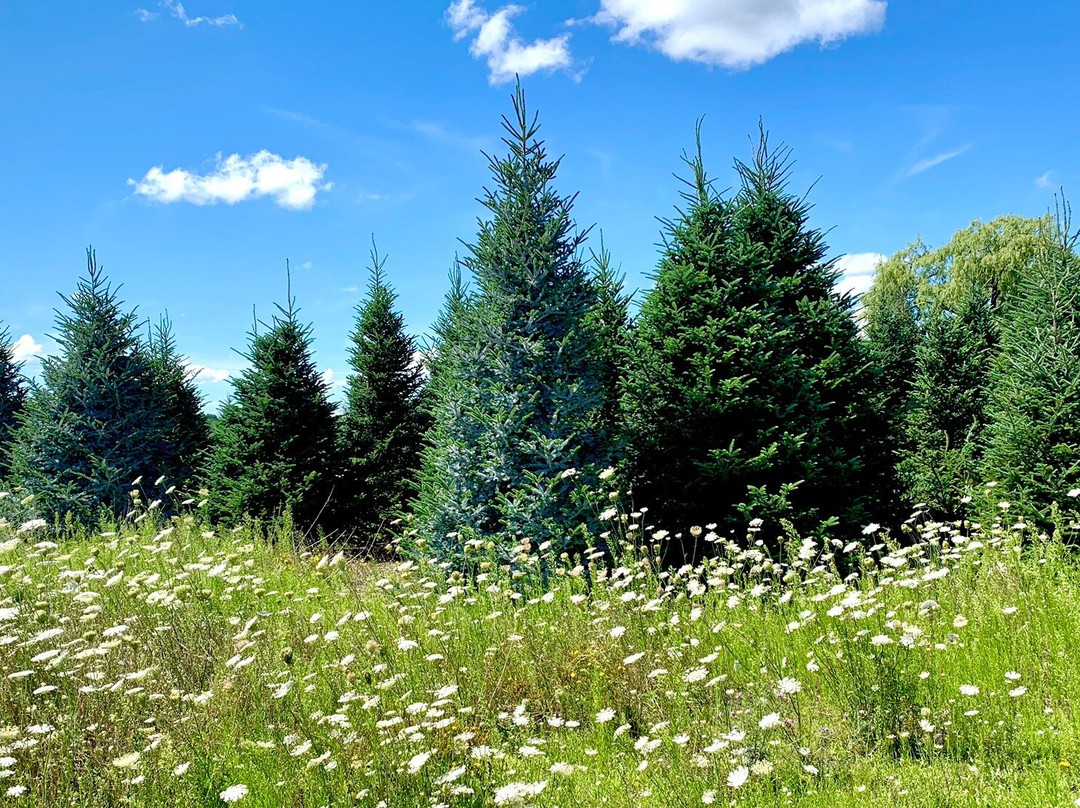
(746, 393)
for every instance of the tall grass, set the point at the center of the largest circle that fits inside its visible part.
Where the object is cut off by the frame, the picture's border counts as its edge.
(167, 663)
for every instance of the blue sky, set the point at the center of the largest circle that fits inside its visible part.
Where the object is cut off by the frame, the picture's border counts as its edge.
(198, 146)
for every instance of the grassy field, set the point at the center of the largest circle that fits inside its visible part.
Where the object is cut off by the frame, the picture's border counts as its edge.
(164, 663)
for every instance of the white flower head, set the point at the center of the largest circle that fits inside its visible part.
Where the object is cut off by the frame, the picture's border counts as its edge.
(234, 793)
(737, 777)
(788, 686)
(770, 721)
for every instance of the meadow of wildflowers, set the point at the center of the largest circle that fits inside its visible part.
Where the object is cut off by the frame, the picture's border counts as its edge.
(163, 662)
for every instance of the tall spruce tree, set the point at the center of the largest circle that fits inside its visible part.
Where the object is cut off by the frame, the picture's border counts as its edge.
(845, 431)
(12, 399)
(747, 395)
(274, 440)
(188, 431)
(517, 393)
(941, 458)
(94, 422)
(382, 429)
(1034, 409)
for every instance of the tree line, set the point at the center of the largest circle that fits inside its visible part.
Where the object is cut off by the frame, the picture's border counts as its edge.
(746, 388)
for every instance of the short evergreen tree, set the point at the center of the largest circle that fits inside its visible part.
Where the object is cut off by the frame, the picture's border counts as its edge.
(517, 393)
(1034, 409)
(274, 445)
(12, 398)
(941, 459)
(382, 429)
(93, 424)
(188, 437)
(747, 394)
(609, 321)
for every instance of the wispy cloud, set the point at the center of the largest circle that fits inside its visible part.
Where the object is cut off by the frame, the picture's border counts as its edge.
(292, 183)
(298, 117)
(176, 10)
(737, 33)
(1045, 181)
(857, 271)
(495, 40)
(932, 162)
(26, 348)
(443, 134)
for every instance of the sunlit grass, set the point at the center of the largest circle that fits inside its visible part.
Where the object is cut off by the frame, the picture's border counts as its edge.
(165, 663)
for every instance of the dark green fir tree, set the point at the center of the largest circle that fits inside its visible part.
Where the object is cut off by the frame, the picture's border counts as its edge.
(609, 320)
(94, 423)
(188, 435)
(12, 399)
(1033, 450)
(746, 396)
(842, 468)
(941, 459)
(382, 429)
(274, 446)
(517, 393)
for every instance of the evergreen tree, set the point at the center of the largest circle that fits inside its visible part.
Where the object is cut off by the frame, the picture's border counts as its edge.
(188, 436)
(892, 331)
(517, 393)
(940, 462)
(12, 398)
(274, 440)
(609, 320)
(747, 395)
(383, 427)
(842, 464)
(1034, 409)
(93, 424)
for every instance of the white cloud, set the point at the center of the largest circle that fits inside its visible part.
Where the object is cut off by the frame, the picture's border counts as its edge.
(144, 15)
(208, 375)
(179, 12)
(495, 40)
(737, 33)
(1044, 181)
(292, 183)
(331, 378)
(857, 271)
(931, 162)
(25, 348)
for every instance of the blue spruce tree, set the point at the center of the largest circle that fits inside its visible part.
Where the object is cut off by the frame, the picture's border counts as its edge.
(517, 395)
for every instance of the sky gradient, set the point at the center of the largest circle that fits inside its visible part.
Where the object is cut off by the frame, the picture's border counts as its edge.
(198, 146)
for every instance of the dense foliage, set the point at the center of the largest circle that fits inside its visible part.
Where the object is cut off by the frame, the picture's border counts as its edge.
(747, 392)
(940, 462)
(103, 420)
(188, 431)
(1034, 441)
(12, 398)
(274, 445)
(381, 432)
(518, 407)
